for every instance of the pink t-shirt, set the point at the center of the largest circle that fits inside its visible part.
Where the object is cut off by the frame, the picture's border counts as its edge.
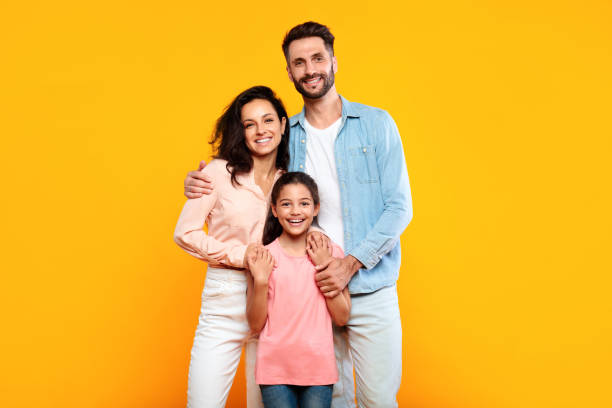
(296, 345)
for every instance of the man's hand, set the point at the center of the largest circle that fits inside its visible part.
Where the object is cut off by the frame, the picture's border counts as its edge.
(334, 275)
(197, 183)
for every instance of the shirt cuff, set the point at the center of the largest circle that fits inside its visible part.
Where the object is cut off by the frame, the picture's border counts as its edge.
(365, 255)
(237, 256)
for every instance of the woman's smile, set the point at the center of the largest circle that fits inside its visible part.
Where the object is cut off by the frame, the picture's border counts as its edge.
(262, 128)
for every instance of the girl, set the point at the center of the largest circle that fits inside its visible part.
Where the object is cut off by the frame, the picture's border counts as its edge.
(295, 357)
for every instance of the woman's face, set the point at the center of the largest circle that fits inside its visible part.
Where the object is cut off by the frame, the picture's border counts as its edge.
(263, 129)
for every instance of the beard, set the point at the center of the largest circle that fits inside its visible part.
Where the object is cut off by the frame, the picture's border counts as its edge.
(328, 82)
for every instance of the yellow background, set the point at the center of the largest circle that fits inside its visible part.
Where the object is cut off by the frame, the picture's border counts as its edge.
(504, 109)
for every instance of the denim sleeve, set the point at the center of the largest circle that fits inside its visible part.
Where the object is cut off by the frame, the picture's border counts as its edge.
(395, 187)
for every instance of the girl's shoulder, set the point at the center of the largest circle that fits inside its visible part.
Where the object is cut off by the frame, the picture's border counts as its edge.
(274, 248)
(337, 252)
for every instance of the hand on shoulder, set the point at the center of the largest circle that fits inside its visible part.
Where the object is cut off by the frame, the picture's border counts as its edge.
(319, 247)
(197, 183)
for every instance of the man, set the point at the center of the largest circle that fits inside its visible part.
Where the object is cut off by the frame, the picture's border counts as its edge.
(354, 153)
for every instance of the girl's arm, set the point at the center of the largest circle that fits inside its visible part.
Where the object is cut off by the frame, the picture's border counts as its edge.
(340, 307)
(260, 264)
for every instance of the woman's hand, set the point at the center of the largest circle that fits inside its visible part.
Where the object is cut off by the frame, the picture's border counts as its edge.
(261, 264)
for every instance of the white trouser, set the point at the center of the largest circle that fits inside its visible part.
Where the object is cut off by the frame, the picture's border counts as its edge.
(373, 338)
(222, 332)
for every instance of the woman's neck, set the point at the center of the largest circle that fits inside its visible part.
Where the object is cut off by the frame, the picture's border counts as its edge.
(264, 169)
(293, 245)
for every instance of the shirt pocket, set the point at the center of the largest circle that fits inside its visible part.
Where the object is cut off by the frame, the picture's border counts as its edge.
(363, 162)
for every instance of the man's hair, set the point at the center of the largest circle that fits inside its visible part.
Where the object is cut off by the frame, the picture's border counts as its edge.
(309, 29)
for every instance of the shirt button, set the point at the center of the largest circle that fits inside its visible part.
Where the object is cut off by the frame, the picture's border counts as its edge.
(301, 166)
(365, 150)
(303, 141)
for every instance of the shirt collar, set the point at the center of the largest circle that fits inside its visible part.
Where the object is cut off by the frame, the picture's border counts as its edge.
(247, 181)
(348, 110)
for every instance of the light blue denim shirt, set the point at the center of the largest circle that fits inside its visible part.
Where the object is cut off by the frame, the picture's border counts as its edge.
(374, 190)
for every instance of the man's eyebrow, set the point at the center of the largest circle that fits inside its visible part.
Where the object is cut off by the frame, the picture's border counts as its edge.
(318, 54)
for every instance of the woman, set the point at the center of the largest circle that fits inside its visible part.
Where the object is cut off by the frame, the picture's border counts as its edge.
(251, 144)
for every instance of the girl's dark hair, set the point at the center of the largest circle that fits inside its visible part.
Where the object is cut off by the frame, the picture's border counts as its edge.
(272, 228)
(228, 137)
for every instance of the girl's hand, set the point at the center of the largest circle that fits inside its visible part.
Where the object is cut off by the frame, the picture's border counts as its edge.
(261, 264)
(318, 236)
(318, 248)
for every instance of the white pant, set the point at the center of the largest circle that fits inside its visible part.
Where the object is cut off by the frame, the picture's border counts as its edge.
(222, 332)
(373, 338)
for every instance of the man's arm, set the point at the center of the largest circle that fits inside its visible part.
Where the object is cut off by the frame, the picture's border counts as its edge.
(395, 188)
(396, 215)
(198, 183)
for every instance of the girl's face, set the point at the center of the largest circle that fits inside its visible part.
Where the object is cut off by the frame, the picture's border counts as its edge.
(263, 129)
(295, 209)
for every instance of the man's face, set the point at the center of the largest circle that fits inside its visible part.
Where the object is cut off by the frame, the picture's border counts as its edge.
(311, 67)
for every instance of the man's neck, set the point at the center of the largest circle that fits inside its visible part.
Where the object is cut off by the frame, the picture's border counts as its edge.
(322, 112)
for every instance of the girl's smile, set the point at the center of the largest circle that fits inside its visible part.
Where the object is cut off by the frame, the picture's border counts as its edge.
(295, 209)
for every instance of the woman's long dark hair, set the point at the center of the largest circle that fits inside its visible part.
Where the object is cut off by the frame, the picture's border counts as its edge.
(272, 228)
(228, 137)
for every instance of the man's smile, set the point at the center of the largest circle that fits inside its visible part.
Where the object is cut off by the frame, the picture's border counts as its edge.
(313, 81)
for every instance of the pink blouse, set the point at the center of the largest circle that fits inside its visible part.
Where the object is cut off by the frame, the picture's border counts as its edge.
(235, 216)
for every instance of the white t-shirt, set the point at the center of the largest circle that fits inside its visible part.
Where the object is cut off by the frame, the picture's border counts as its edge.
(321, 166)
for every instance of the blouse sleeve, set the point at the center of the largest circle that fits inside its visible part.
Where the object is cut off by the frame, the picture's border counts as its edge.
(190, 236)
